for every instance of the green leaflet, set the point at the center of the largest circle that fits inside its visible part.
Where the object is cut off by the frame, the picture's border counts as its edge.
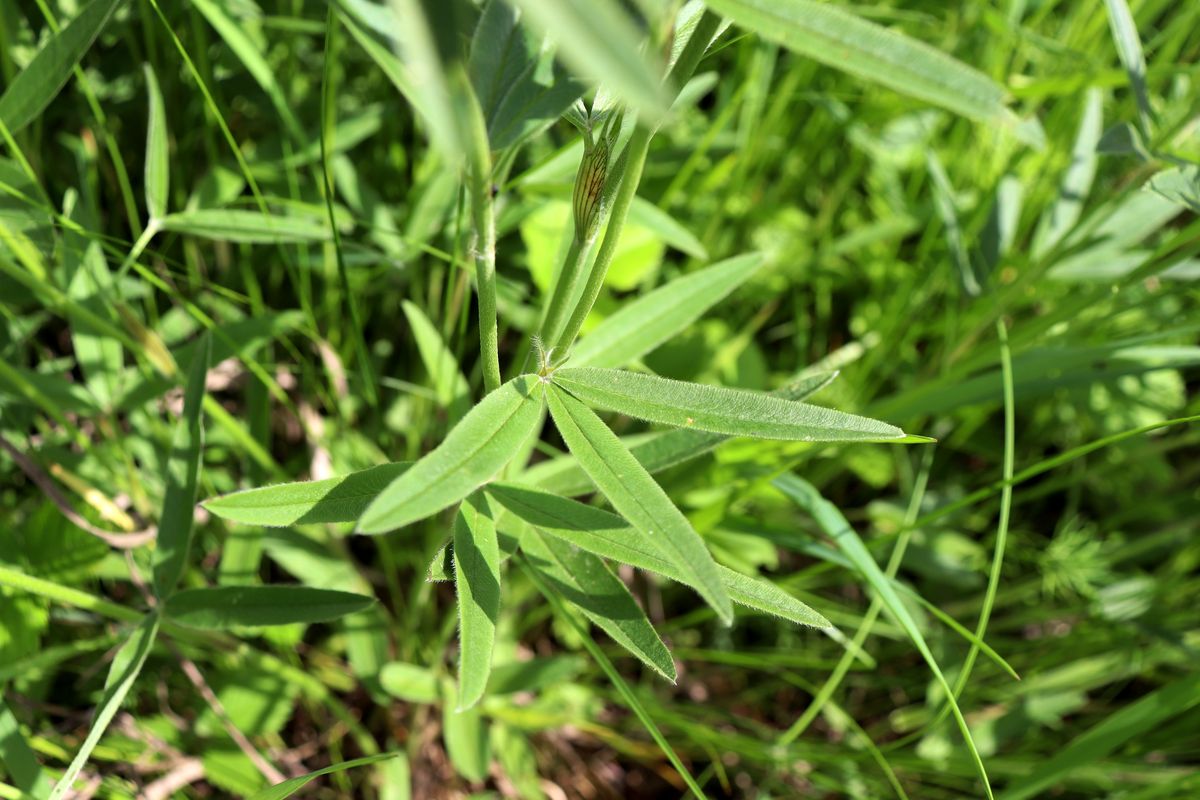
(158, 165)
(183, 470)
(42, 79)
(642, 325)
(471, 454)
(733, 412)
(635, 495)
(247, 227)
(340, 499)
(590, 586)
(842, 40)
(409, 682)
(598, 40)
(1129, 48)
(289, 787)
(477, 580)
(448, 383)
(21, 762)
(607, 535)
(126, 665)
(223, 607)
(835, 525)
(659, 450)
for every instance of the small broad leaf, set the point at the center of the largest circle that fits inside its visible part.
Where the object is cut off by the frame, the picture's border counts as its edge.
(448, 382)
(640, 326)
(289, 787)
(224, 607)
(248, 227)
(659, 450)
(158, 165)
(635, 495)
(588, 583)
(340, 499)
(126, 666)
(607, 535)
(43, 77)
(1179, 184)
(472, 453)
(599, 40)
(409, 682)
(733, 412)
(477, 580)
(840, 39)
(183, 470)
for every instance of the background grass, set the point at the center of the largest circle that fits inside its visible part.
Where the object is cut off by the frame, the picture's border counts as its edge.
(901, 242)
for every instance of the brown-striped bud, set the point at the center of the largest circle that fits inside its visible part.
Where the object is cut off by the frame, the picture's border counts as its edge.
(589, 188)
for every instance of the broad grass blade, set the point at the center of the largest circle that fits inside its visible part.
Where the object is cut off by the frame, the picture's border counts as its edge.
(477, 580)
(733, 412)
(183, 470)
(43, 77)
(340, 499)
(472, 453)
(222, 607)
(158, 165)
(835, 526)
(126, 665)
(837, 38)
(607, 535)
(1077, 180)
(289, 787)
(635, 495)
(588, 583)
(640, 326)
(600, 42)
(247, 227)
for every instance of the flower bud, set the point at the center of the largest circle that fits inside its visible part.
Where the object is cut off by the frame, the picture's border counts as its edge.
(589, 187)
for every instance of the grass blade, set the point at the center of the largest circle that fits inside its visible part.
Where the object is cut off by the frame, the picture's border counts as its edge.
(473, 452)
(1129, 48)
(842, 40)
(18, 757)
(591, 587)
(453, 392)
(126, 665)
(340, 499)
(733, 412)
(158, 165)
(1139, 717)
(600, 42)
(635, 495)
(1077, 181)
(835, 525)
(477, 580)
(42, 79)
(183, 471)
(247, 227)
(597, 531)
(289, 787)
(222, 607)
(640, 326)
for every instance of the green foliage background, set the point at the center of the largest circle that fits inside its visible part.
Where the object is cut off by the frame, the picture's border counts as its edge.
(264, 189)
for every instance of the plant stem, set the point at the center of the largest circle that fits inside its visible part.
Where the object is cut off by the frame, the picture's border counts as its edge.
(564, 289)
(479, 174)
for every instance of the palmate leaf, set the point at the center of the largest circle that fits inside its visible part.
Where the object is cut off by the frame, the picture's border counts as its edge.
(607, 535)
(660, 450)
(733, 412)
(842, 40)
(635, 495)
(472, 453)
(222, 607)
(589, 585)
(340, 499)
(477, 581)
